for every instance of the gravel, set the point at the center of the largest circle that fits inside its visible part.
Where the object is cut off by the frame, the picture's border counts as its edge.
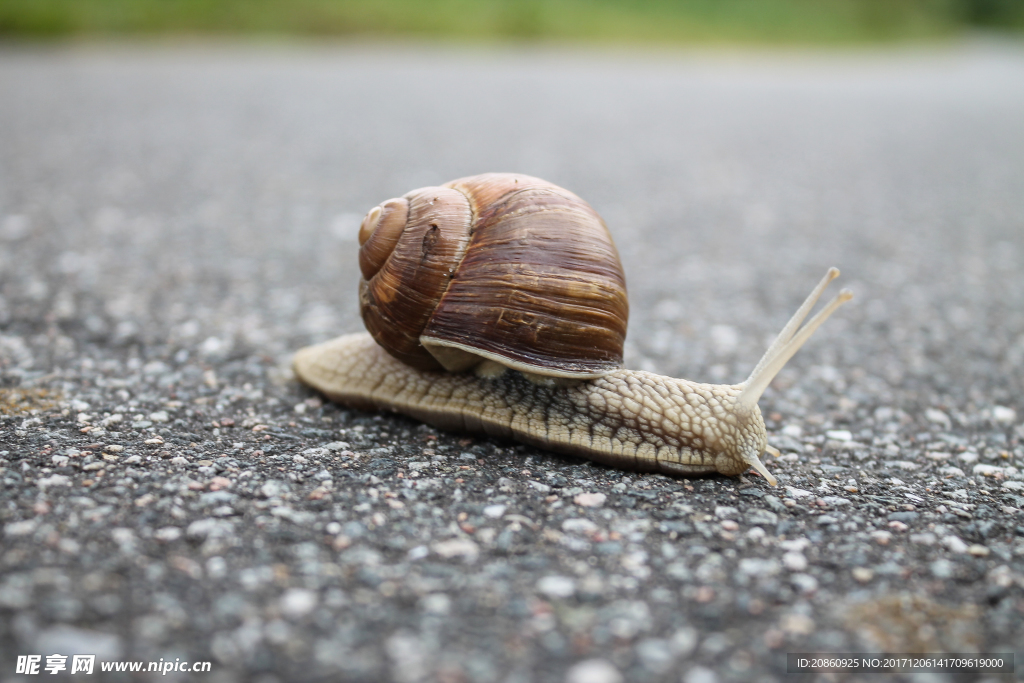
(175, 221)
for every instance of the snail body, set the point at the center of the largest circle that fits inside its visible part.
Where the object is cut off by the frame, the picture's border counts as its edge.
(538, 354)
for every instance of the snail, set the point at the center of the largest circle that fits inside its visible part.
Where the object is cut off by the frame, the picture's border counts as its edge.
(496, 304)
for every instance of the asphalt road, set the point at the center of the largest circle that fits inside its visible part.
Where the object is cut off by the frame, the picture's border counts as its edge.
(175, 221)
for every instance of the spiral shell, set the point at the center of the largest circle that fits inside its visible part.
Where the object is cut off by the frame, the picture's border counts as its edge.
(498, 266)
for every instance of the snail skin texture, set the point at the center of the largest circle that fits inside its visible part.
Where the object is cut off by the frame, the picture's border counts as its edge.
(468, 380)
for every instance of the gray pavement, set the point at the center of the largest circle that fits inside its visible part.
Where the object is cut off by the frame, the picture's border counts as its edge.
(176, 220)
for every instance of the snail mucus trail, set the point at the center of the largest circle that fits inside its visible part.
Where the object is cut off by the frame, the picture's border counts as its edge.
(516, 309)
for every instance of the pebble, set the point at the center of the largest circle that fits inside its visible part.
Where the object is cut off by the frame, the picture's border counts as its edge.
(926, 538)
(556, 586)
(881, 537)
(494, 511)
(167, 534)
(23, 528)
(862, 574)
(655, 654)
(805, 583)
(457, 547)
(938, 417)
(594, 671)
(70, 640)
(794, 561)
(942, 568)
(1004, 415)
(296, 603)
(954, 544)
(700, 674)
(726, 512)
(591, 500)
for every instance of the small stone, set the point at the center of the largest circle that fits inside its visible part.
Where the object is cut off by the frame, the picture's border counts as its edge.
(494, 511)
(700, 674)
(989, 471)
(159, 416)
(23, 528)
(209, 528)
(218, 483)
(436, 603)
(862, 574)
(805, 583)
(942, 568)
(797, 624)
(684, 641)
(68, 639)
(579, 525)
(296, 603)
(594, 671)
(591, 500)
(1002, 577)
(881, 537)
(794, 561)
(457, 547)
(726, 512)
(954, 544)
(53, 480)
(839, 435)
(655, 654)
(167, 534)
(926, 538)
(938, 417)
(756, 566)
(556, 586)
(761, 517)
(978, 550)
(905, 517)
(1004, 415)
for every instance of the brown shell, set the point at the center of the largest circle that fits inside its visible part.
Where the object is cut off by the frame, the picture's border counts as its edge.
(499, 266)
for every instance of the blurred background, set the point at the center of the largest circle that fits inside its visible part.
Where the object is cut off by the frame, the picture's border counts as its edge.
(624, 21)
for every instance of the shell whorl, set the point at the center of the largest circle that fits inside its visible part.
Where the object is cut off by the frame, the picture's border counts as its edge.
(498, 266)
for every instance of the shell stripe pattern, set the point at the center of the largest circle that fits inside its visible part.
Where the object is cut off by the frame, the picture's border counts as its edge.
(535, 279)
(397, 302)
(627, 419)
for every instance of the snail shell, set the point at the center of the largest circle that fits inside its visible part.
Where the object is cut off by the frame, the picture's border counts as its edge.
(499, 267)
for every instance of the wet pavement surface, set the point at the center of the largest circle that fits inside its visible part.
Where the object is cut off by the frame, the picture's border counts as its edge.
(176, 221)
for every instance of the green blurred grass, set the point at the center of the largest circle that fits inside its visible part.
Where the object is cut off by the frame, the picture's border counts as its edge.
(626, 21)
